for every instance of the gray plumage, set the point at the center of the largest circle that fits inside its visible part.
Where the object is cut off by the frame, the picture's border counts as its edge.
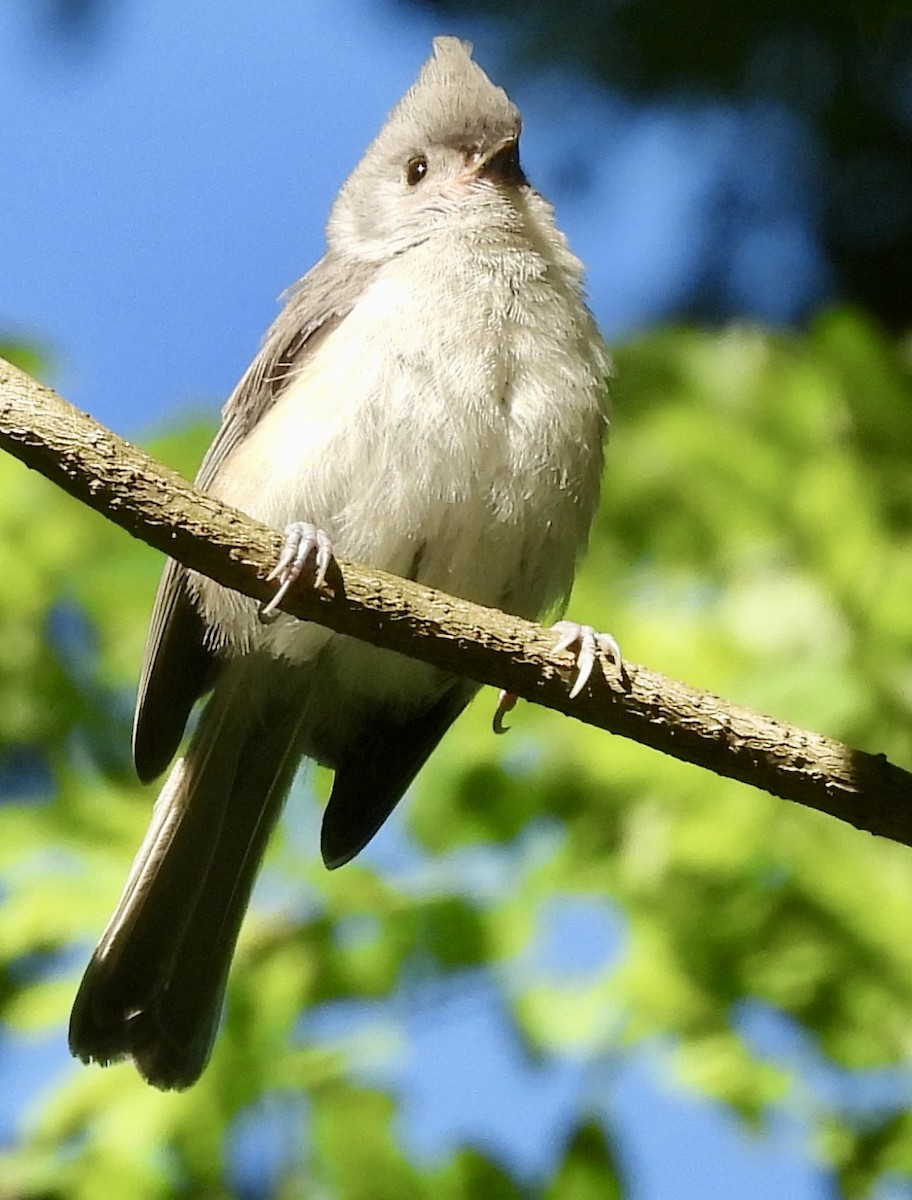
(432, 395)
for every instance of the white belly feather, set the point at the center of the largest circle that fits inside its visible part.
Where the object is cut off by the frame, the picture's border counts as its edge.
(440, 429)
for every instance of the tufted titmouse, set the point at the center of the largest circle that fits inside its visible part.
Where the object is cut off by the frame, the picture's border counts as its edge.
(431, 401)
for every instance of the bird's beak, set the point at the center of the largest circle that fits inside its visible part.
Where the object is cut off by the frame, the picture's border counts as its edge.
(499, 165)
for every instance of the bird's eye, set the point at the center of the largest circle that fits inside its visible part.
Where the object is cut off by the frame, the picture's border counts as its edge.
(416, 169)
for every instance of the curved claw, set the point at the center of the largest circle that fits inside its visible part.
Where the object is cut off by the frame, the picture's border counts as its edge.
(506, 701)
(303, 541)
(590, 645)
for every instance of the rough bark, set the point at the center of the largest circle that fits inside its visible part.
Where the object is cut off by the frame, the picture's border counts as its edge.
(157, 505)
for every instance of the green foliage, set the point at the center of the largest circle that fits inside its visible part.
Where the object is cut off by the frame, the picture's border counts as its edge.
(587, 1171)
(755, 540)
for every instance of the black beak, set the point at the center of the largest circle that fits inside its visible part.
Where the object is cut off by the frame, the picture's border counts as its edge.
(501, 164)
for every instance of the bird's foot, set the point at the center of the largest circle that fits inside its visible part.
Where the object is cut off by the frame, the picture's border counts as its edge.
(589, 645)
(306, 546)
(505, 702)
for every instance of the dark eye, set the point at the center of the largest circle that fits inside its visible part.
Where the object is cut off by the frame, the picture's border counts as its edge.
(416, 169)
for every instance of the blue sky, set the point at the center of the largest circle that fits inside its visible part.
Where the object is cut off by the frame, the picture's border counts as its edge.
(173, 177)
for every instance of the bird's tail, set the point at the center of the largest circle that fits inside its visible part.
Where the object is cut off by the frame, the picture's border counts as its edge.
(153, 990)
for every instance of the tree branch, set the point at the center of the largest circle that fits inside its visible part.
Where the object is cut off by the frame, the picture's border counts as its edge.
(158, 506)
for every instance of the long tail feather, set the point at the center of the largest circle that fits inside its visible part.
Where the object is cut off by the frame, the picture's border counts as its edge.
(154, 987)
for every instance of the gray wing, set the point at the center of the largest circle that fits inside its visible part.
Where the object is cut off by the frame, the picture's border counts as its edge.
(178, 666)
(382, 756)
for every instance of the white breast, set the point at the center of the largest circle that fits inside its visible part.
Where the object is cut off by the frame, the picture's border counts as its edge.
(449, 427)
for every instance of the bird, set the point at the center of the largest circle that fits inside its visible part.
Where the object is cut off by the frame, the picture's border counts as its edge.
(431, 400)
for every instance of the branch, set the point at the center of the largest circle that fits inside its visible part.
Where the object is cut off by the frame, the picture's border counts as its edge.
(158, 506)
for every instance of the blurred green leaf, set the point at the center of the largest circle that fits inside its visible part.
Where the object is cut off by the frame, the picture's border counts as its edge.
(755, 539)
(588, 1170)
